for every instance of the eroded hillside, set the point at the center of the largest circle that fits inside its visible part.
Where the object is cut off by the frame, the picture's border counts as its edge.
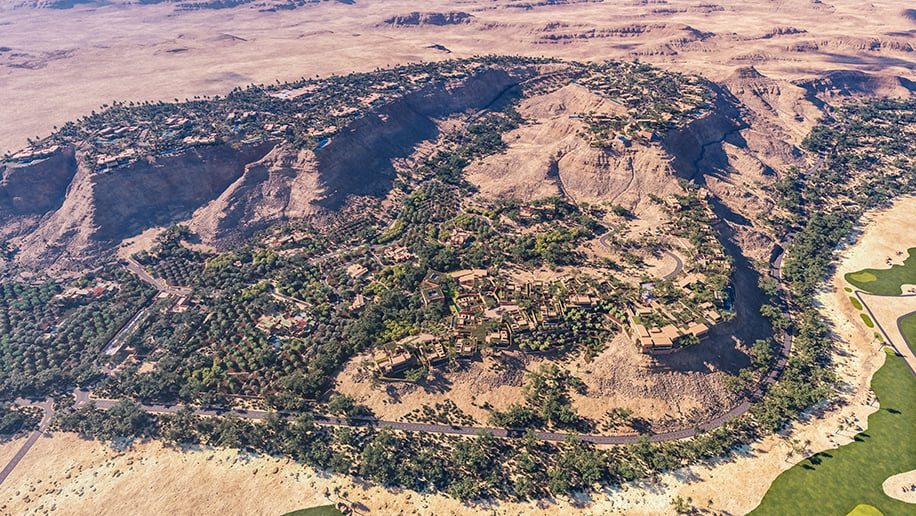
(230, 167)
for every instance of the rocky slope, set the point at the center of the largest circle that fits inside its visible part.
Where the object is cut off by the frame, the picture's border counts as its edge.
(37, 185)
(58, 212)
(225, 191)
(439, 19)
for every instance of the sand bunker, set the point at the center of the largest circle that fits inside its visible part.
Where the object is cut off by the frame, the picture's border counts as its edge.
(901, 486)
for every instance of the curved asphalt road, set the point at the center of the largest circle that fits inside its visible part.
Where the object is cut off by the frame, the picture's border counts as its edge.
(82, 397)
(678, 267)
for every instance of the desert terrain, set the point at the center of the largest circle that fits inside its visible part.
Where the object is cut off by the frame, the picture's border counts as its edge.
(97, 54)
(772, 56)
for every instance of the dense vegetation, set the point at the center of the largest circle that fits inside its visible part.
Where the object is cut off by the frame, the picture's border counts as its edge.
(276, 317)
(48, 345)
(467, 468)
(15, 420)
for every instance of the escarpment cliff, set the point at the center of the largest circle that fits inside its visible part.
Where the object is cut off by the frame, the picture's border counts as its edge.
(228, 191)
(36, 184)
(439, 19)
(280, 186)
(288, 183)
(359, 159)
(57, 209)
(159, 191)
(101, 208)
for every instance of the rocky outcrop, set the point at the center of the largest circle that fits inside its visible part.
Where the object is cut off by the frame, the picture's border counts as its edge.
(36, 185)
(102, 208)
(438, 19)
(157, 191)
(228, 191)
(282, 185)
(855, 83)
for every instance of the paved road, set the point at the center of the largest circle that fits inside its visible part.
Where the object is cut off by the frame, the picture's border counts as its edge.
(42, 426)
(135, 268)
(112, 347)
(678, 264)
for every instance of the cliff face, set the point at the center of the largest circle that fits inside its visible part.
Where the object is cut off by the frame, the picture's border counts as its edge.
(37, 186)
(440, 19)
(702, 139)
(359, 159)
(280, 186)
(227, 192)
(852, 83)
(288, 184)
(159, 191)
(100, 209)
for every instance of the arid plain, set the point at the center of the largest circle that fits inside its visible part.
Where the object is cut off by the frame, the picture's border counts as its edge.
(57, 65)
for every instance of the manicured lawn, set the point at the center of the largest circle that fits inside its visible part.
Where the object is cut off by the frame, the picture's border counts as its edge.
(867, 320)
(865, 510)
(837, 481)
(908, 325)
(324, 510)
(855, 303)
(886, 281)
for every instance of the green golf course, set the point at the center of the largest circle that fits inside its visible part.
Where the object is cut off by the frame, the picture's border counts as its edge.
(886, 282)
(847, 480)
(908, 328)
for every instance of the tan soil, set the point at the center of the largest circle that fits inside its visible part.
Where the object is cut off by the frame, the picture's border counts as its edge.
(620, 376)
(900, 486)
(149, 52)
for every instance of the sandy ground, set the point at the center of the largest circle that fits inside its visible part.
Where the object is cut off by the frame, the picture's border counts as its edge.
(142, 242)
(886, 312)
(61, 64)
(620, 376)
(900, 486)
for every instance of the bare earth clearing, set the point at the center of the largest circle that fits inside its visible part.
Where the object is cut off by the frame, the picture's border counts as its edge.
(620, 376)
